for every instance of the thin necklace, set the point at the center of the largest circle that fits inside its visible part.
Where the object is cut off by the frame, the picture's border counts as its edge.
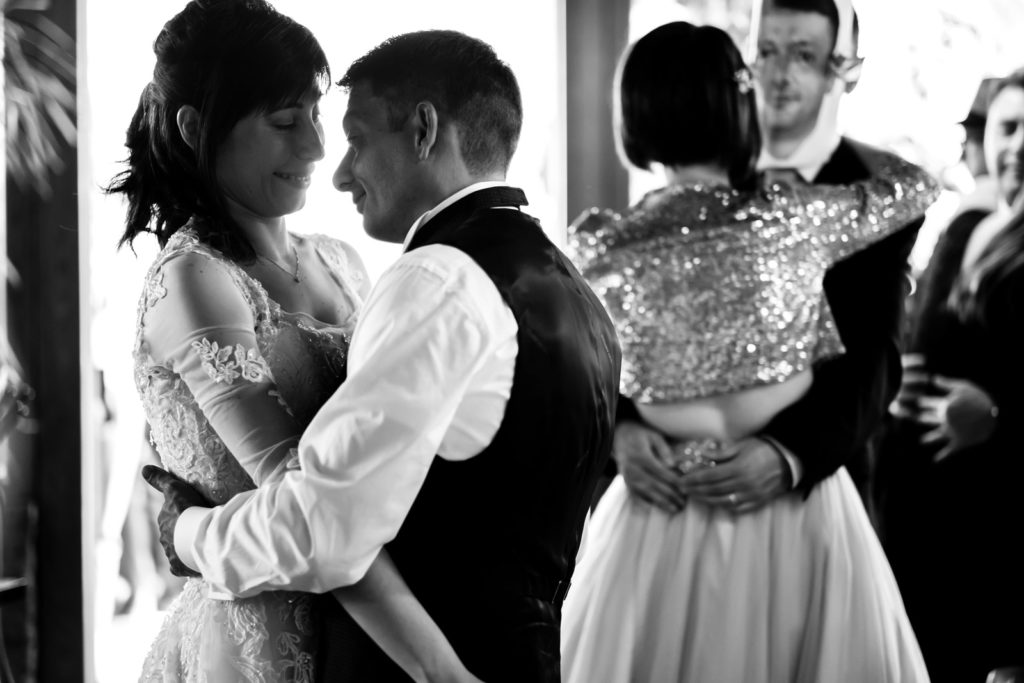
(293, 275)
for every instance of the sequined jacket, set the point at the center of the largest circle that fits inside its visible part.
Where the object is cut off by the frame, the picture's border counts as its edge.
(714, 290)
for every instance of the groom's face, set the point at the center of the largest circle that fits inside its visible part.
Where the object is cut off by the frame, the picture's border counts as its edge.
(793, 68)
(380, 168)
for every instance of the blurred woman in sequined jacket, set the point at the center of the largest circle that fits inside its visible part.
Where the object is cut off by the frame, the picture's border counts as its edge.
(714, 283)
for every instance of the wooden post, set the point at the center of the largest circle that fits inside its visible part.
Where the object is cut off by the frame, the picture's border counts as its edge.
(44, 314)
(595, 32)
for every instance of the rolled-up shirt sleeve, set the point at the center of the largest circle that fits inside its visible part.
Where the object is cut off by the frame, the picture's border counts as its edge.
(365, 455)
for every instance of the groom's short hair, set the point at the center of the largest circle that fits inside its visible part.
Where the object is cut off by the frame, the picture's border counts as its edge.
(464, 80)
(827, 8)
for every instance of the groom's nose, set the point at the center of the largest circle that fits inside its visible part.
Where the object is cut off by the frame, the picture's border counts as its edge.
(777, 70)
(343, 175)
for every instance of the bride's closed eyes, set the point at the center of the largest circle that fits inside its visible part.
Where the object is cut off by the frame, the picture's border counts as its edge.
(288, 118)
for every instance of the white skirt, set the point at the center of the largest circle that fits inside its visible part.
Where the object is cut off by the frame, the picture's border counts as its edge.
(798, 591)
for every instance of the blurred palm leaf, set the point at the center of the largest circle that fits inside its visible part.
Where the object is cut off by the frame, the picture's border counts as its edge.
(39, 122)
(39, 89)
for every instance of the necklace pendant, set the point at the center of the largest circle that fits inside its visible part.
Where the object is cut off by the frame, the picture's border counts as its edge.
(294, 275)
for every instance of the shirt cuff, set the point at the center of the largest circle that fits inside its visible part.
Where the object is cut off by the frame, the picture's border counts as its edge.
(796, 469)
(185, 534)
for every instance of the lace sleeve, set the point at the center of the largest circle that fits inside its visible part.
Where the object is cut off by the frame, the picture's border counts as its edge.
(847, 218)
(202, 329)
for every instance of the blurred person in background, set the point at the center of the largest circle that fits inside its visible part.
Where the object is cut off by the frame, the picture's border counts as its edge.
(806, 62)
(716, 288)
(984, 195)
(953, 457)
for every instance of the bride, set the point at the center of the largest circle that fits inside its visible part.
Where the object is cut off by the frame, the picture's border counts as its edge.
(715, 287)
(243, 326)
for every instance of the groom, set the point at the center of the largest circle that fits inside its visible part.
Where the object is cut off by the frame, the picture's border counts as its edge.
(482, 384)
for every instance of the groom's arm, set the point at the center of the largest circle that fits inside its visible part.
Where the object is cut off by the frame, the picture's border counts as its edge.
(366, 453)
(834, 422)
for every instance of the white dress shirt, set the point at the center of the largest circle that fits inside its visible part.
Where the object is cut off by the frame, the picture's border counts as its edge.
(430, 372)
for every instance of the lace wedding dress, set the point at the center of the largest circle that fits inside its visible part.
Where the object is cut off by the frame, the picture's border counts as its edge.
(228, 381)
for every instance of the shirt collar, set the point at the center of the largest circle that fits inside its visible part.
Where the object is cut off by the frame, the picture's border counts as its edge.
(469, 189)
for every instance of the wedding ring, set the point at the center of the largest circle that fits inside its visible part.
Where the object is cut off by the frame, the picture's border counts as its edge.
(732, 498)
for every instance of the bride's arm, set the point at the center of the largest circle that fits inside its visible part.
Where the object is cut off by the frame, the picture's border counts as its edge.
(202, 327)
(383, 606)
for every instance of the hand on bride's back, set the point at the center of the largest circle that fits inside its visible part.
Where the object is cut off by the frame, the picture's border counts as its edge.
(178, 497)
(643, 456)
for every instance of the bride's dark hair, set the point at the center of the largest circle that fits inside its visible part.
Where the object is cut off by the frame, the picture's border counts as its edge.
(1000, 259)
(228, 59)
(684, 96)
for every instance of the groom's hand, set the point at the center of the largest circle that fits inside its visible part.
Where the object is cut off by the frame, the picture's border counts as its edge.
(178, 497)
(754, 475)
(644, 459)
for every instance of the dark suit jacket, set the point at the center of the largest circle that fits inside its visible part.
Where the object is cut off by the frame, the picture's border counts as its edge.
(834, 423)
(837, 421)
(949, 528)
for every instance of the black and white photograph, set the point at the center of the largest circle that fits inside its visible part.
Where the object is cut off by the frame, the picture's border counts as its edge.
(465, 341)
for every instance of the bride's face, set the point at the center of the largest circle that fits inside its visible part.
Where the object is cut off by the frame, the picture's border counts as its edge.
(264, 165)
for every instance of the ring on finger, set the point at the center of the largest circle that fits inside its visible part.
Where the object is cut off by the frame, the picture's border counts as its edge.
(732, 498)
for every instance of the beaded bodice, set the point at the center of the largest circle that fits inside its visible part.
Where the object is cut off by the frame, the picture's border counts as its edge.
(714, 290)
(299, 361)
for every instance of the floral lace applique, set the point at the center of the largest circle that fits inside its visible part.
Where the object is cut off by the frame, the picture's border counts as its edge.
(155, 289)
(270, 638)
(227, 363)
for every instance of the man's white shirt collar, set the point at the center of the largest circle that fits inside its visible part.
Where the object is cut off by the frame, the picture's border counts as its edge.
(469, 189)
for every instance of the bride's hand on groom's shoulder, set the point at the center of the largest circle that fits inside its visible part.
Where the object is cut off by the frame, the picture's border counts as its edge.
(178, 497)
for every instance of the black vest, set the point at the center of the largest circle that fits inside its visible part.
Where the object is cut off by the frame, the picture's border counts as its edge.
(490, 543)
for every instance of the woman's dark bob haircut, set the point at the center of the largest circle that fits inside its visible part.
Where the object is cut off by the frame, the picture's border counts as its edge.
(684, 96)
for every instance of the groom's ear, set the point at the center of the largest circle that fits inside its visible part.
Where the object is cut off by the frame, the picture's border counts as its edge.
(424, 129)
